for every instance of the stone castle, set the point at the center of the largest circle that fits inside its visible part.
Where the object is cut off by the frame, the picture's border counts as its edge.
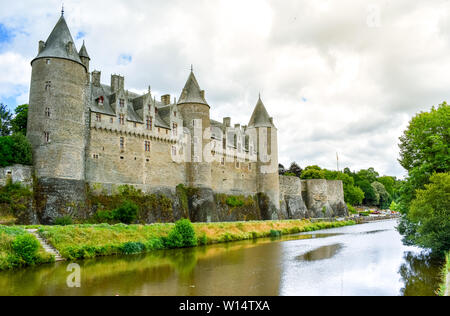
(84, 132)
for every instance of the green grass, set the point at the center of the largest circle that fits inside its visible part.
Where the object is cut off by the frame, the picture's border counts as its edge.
(88, 241)
(10, 259)
(445, 272)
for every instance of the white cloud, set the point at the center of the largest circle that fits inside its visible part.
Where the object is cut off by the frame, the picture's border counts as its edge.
(337, 76)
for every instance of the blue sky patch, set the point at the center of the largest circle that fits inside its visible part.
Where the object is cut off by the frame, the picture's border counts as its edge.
(124, 59)
(304, 99)
(80, 35)
(6, 35)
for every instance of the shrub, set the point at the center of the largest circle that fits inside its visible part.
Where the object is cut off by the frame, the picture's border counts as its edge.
(203, 240)
(26, 248)
(235, 201)
(351, 209)
(182, 235)
(127, 213)
(275, 233)
(63, 221)
(132, 248)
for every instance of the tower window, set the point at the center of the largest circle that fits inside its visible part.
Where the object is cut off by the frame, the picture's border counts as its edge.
(47, 61)
(48, 85)
(46, 137)
(174, 151)
(238, 164)
(121, 119)
(111, 120)
(147, 146)
(149, 122)
(47, 112)
(175, 114)
(135, 124)
(122, 103)
(149, 107)
(175, 129)
(122, 143)
(222, 161)
(250, 166)
(98, 117)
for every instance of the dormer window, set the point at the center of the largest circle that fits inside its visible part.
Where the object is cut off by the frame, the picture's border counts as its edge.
(101, 100)
(149, 107)
(175, 114)
(122, 103)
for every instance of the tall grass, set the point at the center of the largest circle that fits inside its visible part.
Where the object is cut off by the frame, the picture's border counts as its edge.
(445, 272)
(88, 241)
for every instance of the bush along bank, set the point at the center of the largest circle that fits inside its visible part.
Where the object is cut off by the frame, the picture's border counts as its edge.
(88, 241)
(18, 249)
(444, 288)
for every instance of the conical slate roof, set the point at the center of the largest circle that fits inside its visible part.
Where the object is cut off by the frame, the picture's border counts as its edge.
(260, 117)
(192, 92)
(56, 45)
(83, 52)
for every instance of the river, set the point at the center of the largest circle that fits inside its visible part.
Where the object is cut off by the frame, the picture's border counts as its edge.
(360, 260)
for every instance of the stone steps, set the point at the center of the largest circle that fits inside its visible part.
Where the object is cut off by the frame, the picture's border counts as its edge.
(47, 247)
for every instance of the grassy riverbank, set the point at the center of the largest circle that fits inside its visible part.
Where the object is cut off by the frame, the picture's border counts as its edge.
(444, 289)
(18, 248)
(88, 241)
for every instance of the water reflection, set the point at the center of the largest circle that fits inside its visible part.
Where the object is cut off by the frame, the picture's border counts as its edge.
(359, 260)
(420, 274)
(321, 253)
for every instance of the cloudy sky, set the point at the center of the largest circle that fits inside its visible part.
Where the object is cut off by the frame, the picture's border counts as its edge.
(337, 76)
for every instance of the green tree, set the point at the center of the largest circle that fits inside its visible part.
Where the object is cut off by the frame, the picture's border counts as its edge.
(5, 120)
(429, 216)
(19, 122)
(424, 150)
(353, 195)
(389, 183)
(313, 172)
(385, 199)
(370, 195)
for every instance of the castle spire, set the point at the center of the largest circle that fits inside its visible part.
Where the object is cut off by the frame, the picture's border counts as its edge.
(83, 51)
(192, 92)
(260, 117)
(60, 44)
(62, 10)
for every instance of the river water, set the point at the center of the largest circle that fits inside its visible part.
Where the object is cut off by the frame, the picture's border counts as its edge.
(361, 260)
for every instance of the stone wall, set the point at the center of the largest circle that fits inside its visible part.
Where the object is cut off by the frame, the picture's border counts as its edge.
(291, 200)
(311, 198)
(17, 173)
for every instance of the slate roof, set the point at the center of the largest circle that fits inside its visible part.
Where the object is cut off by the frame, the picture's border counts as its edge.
(191, 92)
(260, 117)
(56, 44)
(83, 52)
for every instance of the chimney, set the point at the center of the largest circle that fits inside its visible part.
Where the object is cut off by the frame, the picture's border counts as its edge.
(227, 121)
(165, 99)
(237, 126)
(96, 75)
(117, 83)
(41, 46)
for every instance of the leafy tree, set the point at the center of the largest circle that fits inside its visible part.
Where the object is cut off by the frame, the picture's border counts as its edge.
(370, 196)
(5, 120)
(295, 169)
(19, 122)
(428, 222)
(389, 184)
(15, 149)
(367, 174)
(313, 172)
(424, 150)
(384, 197)
(353, 195)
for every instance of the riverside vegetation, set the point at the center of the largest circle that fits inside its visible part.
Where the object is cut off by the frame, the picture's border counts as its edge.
(89, 241)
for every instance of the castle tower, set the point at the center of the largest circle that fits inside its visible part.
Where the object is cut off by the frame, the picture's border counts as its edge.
(56, 119)
(261, 127)
(195, 111)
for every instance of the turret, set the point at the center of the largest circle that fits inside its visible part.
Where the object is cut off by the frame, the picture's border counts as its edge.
(263, 130)
(84, 56)
(195, 111)
(56, 119)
